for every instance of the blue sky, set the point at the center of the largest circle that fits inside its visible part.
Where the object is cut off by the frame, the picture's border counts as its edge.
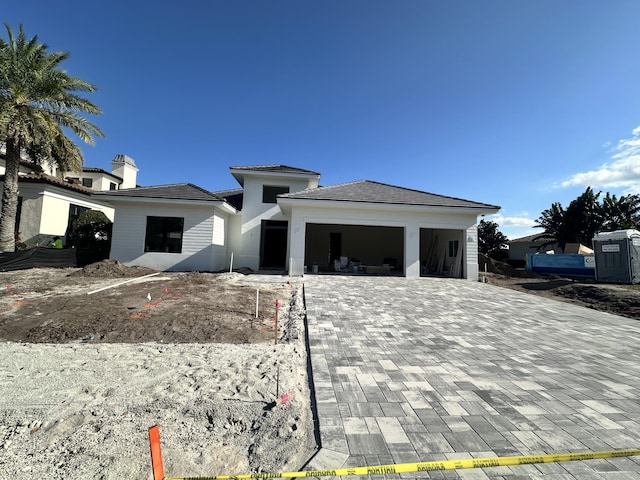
(513, 103)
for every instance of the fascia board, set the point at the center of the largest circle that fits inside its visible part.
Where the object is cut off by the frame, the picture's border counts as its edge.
(288, 203)
(240, 174)
(162, 201)
(67, 195)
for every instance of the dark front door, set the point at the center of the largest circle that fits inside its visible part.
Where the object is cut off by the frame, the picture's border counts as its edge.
(273, 247)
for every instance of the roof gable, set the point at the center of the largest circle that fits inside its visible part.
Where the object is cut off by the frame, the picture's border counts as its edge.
(367, 191)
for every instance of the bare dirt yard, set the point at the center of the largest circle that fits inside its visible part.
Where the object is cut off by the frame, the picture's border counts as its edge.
(83, 376)
(621, 300)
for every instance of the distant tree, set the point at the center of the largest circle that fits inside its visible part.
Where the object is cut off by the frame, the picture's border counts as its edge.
(586, 216)
(622, 213)
(553, 221)
(490, 239)
(38, 101)
(577, 224)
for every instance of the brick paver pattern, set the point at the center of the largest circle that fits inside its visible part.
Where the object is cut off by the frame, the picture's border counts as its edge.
(409, 370)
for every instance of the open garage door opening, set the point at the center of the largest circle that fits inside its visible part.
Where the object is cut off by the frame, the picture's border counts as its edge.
(354, 248)
(442, 252)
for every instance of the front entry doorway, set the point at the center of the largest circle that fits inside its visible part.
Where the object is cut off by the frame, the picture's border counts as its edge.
(273, 245)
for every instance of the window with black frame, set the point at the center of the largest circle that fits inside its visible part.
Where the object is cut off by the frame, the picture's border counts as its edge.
(164, 234)
(270, 193)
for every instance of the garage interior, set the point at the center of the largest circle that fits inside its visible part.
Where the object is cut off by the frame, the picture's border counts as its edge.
(354, 248)
(441, 252)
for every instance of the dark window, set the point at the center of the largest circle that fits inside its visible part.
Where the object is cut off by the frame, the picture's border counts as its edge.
(87, 182)
(453, 248)
(112, 186)
(270, 193)
(74, 213)
(164, 234)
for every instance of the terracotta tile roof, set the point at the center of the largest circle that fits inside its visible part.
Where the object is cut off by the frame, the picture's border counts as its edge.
(100, 170)
(176, 191)
(49, 180)
(367, 191)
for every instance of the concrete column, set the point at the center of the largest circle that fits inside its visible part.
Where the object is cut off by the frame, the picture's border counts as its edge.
(471, 253)
(296, 246)
(412, 251)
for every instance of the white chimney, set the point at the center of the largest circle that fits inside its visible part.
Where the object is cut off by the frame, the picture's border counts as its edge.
(124, 167)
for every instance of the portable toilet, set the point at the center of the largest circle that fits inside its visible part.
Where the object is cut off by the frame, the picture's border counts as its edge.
(617, 256)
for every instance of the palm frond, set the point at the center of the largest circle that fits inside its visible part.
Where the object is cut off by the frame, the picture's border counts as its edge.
(39, 101)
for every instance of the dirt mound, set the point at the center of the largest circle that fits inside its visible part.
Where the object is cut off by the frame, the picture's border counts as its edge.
(494, 266)
(111, 269)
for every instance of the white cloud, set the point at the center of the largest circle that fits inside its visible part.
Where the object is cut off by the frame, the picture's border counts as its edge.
(515, 226)
(622, 172)
(517, 221)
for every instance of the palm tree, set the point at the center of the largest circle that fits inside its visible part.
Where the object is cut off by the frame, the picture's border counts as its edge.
(622, 213)
(38, 101)
(577, 224)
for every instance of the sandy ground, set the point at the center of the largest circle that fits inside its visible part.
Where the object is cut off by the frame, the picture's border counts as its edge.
(83, 377)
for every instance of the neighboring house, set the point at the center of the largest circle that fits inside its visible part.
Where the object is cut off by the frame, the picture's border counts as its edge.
(538, 243)
(281, 219)
(48, 203)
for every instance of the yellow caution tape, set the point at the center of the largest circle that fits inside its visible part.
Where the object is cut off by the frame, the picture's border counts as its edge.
(429, 466)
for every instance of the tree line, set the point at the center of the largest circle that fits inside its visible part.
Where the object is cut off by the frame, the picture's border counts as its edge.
(585, 216)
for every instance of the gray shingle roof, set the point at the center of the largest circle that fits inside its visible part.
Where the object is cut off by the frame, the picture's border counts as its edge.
(177, 191)
(535, 238)
(367, 191)
(233, 197)
(274, 169)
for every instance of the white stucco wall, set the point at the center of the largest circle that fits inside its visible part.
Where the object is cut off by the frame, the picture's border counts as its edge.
(30, 215)
(45, 210)
(204, 246)
(410, 218)
(247, 252)
(101, 182)
(126, 172)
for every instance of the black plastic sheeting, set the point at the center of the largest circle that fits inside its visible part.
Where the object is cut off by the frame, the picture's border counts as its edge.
(48, 257)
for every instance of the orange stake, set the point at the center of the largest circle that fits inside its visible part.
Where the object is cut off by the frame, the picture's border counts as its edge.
(156, 453)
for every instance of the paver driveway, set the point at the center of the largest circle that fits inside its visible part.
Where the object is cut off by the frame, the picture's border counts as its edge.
(427, 369)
